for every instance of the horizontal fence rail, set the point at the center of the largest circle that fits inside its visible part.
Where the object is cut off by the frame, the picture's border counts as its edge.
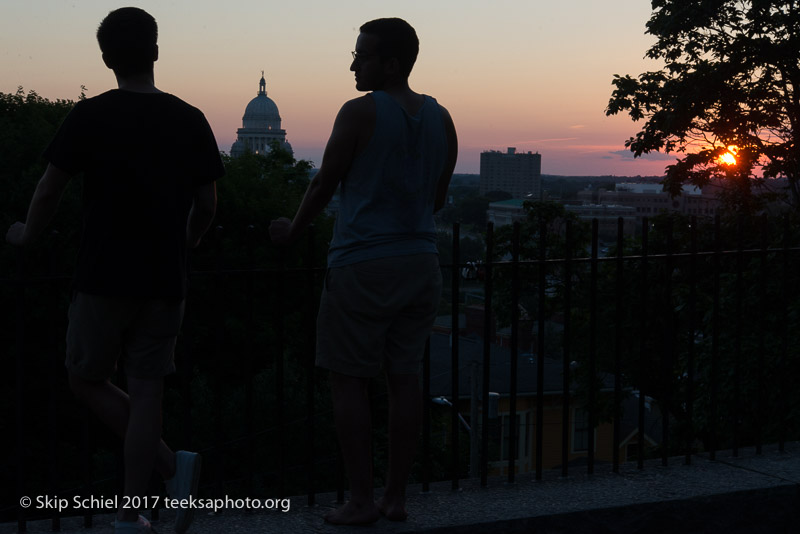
(678, 341)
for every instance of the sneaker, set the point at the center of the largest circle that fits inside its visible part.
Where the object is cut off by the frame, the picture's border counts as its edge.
(140, 526)
(183, 485)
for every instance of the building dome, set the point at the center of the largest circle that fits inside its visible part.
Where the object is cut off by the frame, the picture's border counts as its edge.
(261, 126)
(262, 112)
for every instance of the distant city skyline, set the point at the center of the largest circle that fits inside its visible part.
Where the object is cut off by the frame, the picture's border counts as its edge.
(513, 73)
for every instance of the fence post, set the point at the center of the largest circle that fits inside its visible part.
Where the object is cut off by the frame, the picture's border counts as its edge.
(21, 430)
(219, 341)
(668, 347)
(280, 419)
(715, 339)
(248, 366)
(540, 349)
(783, 361)
(427, 463)
(310, 374)
(691, 338)
(592, 401)
(764, 270)
(737, 351)
(488, 329)
(512, 410)
(565, 370)
(618, 346)
(642, 343)
(455, 339)
(56, 364)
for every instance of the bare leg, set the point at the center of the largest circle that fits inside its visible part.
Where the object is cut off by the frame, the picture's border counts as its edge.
(405, 415)
(353, 427)
(112, 407)
(142, 438)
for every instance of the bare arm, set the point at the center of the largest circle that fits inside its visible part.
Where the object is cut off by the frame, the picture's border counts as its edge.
(204, 205)
(450, 165)
(44, 205)
(349, 128)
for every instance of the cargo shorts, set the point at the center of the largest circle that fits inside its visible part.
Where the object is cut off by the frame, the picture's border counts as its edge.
(139, 332)
(378, 313)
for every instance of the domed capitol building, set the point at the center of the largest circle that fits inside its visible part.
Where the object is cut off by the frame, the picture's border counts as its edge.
(261, 124)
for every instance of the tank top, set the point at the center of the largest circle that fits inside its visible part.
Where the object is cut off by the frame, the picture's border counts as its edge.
(387, 197)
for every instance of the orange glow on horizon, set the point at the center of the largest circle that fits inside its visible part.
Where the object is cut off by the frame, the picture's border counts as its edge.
(210, 62)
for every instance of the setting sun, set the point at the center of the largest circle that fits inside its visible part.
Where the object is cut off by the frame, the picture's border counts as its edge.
(729, 157)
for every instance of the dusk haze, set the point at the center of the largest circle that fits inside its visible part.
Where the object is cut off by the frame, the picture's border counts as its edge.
(476, 266)
(531, 75)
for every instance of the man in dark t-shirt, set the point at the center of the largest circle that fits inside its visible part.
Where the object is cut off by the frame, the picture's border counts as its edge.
(137, 188)
(148, 196)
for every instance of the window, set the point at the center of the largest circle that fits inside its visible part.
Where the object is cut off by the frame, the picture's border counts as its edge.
(499, 438)
(523, 421)
(580, 430)
(632, 452)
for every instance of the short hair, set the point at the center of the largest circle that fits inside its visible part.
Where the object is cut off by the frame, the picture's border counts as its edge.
(396, 39)
(127, 38)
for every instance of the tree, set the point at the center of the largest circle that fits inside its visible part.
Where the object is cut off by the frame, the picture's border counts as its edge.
(469, 209)
(554, 217)
(27, 124)
(730, 79)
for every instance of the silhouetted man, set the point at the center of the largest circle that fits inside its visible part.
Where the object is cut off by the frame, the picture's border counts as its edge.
(393, 151)
(149, 195)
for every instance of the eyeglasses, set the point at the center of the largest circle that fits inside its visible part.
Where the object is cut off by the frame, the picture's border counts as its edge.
(357, 56)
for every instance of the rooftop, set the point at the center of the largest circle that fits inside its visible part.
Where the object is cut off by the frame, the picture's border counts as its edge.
(512, 202)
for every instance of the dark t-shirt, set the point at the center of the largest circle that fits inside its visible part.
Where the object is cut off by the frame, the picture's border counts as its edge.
(142, 155)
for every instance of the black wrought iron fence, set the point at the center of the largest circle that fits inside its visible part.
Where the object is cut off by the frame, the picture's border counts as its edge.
(696, 318)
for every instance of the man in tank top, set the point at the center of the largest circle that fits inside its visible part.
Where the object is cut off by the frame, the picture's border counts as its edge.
(392, 152)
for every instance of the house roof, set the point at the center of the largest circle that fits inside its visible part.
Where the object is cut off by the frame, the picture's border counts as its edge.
(510, 203)
(470, 350)
(629, 423)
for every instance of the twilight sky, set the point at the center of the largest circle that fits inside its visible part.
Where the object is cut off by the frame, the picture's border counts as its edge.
(531, 74)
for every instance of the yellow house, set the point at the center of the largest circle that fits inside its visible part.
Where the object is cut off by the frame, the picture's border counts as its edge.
(470, 363)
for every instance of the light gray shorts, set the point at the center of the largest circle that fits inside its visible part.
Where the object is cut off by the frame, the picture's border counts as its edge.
(140, 332)
(378, 312)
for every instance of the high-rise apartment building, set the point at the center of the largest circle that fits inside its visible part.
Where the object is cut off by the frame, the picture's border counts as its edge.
(519, 174)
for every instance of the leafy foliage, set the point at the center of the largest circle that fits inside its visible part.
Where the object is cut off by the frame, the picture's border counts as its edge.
(469, 210)
(554, 218)
(27, 124)
(657, 314)
(730, 78)
(256, 189)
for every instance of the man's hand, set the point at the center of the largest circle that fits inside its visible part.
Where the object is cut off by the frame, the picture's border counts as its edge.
(16, 234)
(204, 206)
(43, 206)
(355, 117)
(280, 231)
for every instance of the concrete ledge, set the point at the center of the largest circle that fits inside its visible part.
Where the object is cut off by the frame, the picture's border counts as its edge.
(746, 494)
(768, 511)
